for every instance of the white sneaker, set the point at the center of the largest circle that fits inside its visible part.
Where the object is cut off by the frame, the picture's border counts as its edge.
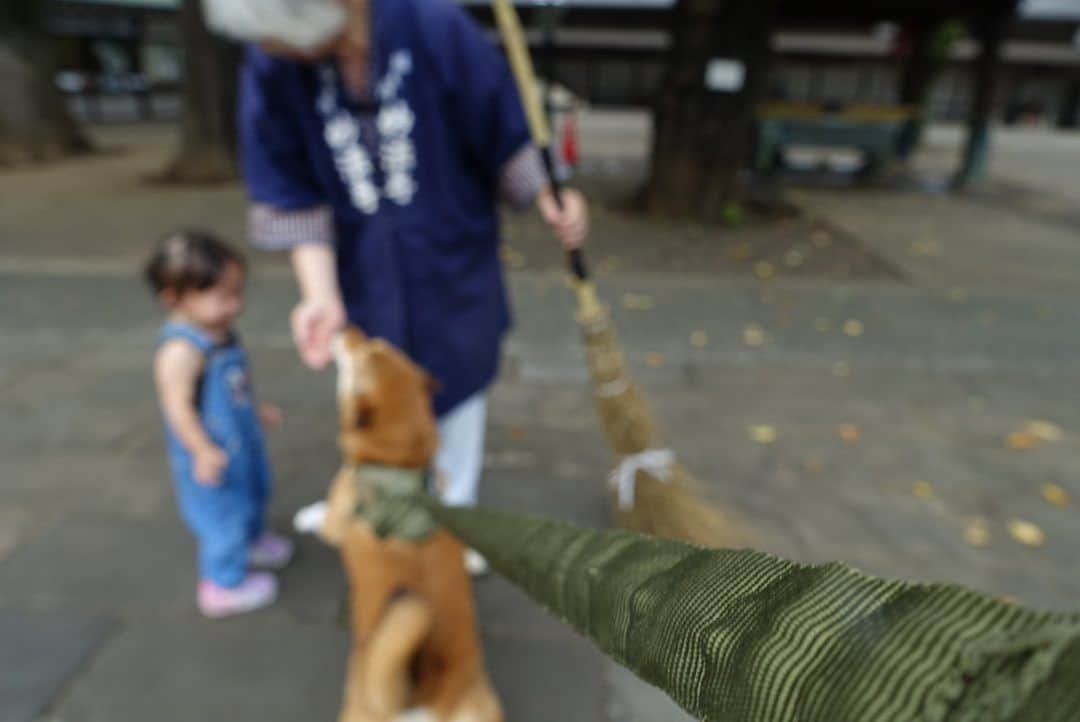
(310, 519)
(475, 564)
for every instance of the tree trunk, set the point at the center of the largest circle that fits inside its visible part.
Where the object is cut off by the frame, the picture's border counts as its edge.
(1069, 112)
(34, 120)
(990, 30)
(916, 80)
(931, 48)
(702, 137)
(207, 150)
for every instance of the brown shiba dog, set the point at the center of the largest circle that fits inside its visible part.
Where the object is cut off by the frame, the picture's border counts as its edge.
(416, 654)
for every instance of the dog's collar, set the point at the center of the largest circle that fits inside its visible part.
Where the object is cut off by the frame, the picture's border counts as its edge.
(383, 500)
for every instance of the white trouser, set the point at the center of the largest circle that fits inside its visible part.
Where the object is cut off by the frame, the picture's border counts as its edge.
(460, 457)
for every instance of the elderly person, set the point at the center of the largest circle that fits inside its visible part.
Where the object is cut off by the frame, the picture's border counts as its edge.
(377, 137)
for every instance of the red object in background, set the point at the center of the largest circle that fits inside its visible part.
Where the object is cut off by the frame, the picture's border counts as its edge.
(570, 141)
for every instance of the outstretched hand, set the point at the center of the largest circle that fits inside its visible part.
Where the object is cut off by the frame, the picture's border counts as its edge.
(314, 323)
(570, 223)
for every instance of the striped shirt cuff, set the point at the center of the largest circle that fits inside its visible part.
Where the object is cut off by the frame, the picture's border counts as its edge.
(272, 229)
(523, 177)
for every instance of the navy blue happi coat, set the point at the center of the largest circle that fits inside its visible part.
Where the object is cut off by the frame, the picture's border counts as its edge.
(411, 174)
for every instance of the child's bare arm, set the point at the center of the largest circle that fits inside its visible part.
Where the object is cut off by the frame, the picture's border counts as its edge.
(176, 373)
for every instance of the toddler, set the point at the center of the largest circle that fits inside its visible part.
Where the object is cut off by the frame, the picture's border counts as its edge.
(213, 427)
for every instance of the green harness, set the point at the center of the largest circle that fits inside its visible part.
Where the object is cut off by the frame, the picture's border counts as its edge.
(383, 494)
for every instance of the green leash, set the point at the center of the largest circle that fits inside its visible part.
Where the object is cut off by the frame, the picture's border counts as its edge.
(742, 636)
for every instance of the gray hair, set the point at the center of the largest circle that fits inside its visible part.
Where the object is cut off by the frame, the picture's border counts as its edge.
(301, 24)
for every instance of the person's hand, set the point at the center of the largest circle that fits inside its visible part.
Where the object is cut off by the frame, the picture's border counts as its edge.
(210, 461)
(314, 323)
(571, 222)
(270, 415)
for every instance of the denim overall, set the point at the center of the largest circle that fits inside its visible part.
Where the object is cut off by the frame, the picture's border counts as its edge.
(225, 519)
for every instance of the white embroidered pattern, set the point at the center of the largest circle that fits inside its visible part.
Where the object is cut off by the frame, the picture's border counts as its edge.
(394, 124)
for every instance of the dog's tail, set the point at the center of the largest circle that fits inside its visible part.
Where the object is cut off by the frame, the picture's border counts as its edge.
(388, 677)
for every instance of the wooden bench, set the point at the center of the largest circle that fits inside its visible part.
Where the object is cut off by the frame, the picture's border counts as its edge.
(874, 130)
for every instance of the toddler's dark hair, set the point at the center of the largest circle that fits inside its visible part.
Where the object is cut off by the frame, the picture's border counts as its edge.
(189, 260)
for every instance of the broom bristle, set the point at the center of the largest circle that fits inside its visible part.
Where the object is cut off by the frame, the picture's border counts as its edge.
(676, 508)
(626, 420)
(679, 509)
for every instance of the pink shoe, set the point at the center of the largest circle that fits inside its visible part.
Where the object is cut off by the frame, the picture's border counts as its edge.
(270, 551)
(258, 590)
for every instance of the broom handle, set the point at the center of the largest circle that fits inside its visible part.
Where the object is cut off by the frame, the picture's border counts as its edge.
(521, 64)
(517, 51)
(548, 21)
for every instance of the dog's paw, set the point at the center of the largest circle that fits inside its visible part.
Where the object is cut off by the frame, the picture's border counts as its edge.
(310, 519)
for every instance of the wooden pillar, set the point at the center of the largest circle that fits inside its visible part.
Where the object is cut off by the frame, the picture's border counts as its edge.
(1069, 112)
(990, 30)
(915, 81)
(135, 50)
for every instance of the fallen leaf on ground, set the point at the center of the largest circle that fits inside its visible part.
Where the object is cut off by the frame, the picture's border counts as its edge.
(1027, 533)
(516, 433)
(512, 257)
(1055, 495)
(923, 489)
(637, 302)
(841, 369)
(850, 433)
(821, 238)
(753, 335)
(812, 464)
(853, 327)
(764, 270)
(699, 339)
(794, 258)
(739, 252)
(1021, 441)
(1033, 433)
(977, 533)
(608, 265)
(1044, 430)
(762, 434)
(928, 248)
(654, 359)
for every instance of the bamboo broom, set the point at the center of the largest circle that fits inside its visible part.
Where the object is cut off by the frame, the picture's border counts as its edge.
(651, 492)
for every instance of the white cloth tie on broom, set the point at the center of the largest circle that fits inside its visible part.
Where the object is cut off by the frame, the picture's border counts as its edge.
(657, 462)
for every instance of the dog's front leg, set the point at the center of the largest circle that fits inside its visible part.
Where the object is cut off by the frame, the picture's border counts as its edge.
(355, 706)
(340, 507)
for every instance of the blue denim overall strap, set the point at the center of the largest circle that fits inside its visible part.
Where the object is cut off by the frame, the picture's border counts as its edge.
(200, 340)
(177, 329)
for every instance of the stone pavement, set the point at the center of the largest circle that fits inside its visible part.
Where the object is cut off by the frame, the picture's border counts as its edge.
(867, 387)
